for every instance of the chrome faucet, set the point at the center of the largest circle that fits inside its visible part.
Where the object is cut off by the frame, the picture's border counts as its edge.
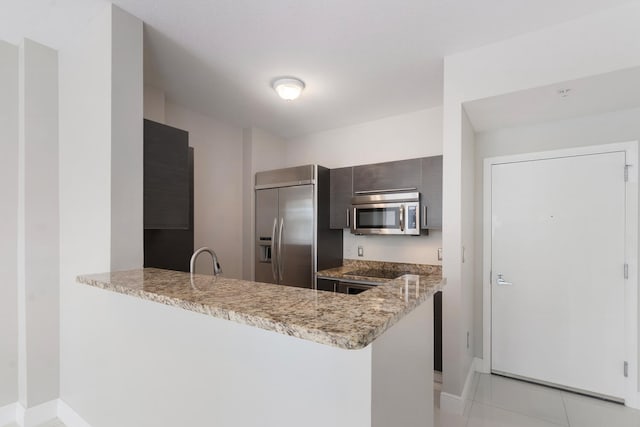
(216, 265)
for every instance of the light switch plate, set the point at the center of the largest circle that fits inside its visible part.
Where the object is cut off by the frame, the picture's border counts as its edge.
(439, 254)
(360, 251)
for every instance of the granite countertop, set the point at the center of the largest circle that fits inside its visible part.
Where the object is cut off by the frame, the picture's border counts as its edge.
(340, 320)
(352, 270)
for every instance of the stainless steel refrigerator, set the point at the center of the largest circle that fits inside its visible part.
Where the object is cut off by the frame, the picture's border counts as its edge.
(293, 238)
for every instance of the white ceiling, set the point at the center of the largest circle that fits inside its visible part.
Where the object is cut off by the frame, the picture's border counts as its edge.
(613, 91)
(361, 59)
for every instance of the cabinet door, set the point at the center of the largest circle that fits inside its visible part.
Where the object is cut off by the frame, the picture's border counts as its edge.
(431, 193)
(327, 285)
(166, 177)
(171, 249)
(399, 175)
(341, 188)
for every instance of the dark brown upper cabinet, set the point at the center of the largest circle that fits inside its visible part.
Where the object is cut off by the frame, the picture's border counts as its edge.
(423, 175)
(341, 189)
(401, 175)
(166, 177)
(431, 193)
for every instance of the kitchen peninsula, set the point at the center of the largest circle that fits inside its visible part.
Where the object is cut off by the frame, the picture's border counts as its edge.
(278, 355)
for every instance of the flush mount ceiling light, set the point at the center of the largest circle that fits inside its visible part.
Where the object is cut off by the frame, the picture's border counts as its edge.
(288, 88)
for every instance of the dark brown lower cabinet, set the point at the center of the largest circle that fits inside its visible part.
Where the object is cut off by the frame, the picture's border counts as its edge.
(327, 285)
(437, 332)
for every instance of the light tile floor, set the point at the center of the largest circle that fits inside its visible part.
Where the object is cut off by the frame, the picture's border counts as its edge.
(503, 402)
(52, 423)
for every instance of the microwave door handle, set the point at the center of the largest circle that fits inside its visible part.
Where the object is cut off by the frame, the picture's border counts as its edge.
(402, 218)
(274, 255)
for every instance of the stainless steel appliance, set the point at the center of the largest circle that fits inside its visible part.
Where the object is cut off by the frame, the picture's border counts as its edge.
(386, 213)
(293, 238)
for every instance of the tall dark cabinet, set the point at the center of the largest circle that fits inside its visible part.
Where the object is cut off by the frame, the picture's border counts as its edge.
(437, 331)
(341, 191)
(168, 197)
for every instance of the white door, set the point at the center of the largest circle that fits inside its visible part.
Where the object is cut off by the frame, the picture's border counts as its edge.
(558, 238)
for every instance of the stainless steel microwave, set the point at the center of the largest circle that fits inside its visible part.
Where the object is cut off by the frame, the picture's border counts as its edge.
(386, 213)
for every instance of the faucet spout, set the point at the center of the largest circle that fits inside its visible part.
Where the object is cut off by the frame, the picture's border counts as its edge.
(216, 265)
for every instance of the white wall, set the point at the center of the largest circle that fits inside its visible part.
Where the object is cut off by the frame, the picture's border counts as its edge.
(127, 222)
(267, 151)
(617, 126)
(8, 223)
(154, 104)
(261, 151)
(466, 317)
(412, 249)
(88, 69)
(38, 225)
(218, 186)
(406, 136)
(594, 44)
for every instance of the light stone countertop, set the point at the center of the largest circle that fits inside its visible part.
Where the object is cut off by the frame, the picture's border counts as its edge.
(340, 320)
(352, 265)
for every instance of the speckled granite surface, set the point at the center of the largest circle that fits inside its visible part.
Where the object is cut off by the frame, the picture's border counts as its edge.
(352, 265)
(340, 320)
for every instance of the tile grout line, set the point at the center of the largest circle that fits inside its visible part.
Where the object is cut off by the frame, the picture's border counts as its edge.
(520, 414)
(566, 412)
(466, 424)
(473, 400)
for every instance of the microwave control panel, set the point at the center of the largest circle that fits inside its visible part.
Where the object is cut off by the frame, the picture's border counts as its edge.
(412, 221)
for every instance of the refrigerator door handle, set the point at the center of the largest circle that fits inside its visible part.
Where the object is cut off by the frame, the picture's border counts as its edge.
(280, 257)
(274, 256)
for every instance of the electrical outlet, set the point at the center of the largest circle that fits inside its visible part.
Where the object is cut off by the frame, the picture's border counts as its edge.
(439, 254)
(360, 251)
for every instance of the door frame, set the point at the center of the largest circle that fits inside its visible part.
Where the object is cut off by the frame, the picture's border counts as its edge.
(632, 338)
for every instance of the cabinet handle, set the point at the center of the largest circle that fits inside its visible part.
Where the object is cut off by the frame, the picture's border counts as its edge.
(402, 218)
(347, 217)
(424, 216)
(354, 223)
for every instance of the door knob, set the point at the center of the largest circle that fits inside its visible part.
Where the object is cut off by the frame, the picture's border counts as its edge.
(501, 282)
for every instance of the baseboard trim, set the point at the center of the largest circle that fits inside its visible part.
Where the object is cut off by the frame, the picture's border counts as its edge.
(482, 366)
(454, 403)
(32, 417)
(69, 417)
(8, 414)
(36, 415)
